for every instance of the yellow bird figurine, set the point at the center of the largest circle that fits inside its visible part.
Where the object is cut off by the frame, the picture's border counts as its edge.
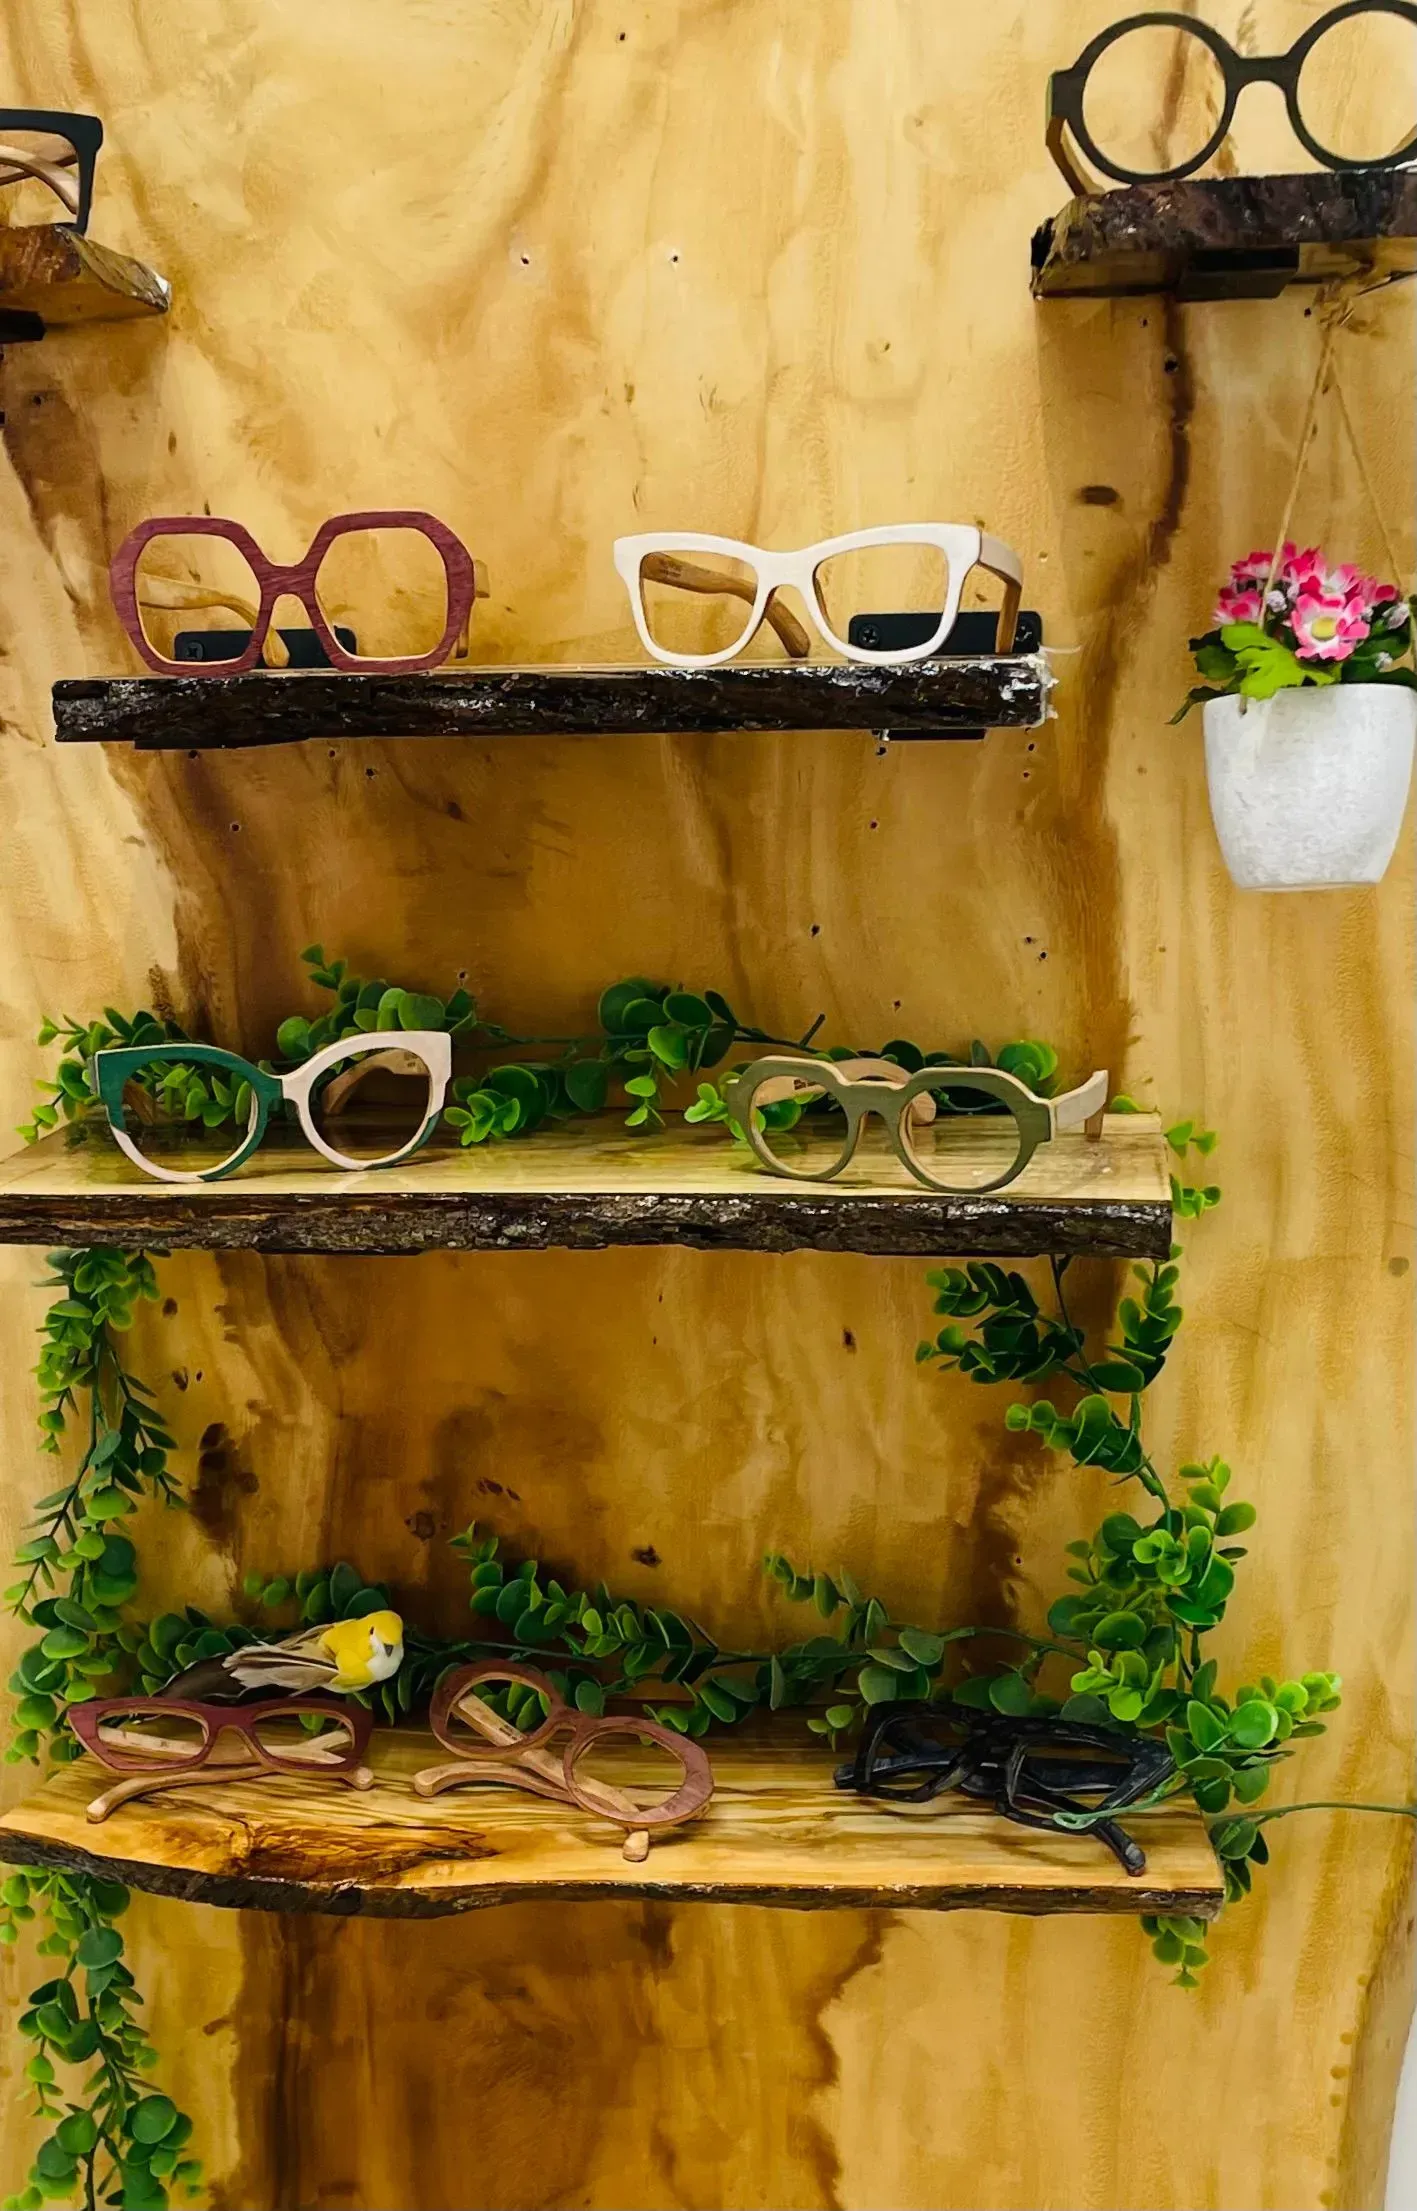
(342, 1657)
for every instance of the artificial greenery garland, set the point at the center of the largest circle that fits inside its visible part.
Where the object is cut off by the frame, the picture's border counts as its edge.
(1126, 1649)
(648, 1036)
(114, 2140)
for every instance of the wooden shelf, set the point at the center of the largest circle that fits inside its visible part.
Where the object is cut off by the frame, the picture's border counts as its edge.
(52, 279)
(929, 698)
(590, 1184)
(777, 1832)
(1229, 237)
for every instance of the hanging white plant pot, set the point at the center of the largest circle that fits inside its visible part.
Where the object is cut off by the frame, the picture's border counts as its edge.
(1308, 789)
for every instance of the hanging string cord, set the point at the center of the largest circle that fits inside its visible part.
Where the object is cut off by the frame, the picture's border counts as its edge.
(1337, 305)
(1390, 553)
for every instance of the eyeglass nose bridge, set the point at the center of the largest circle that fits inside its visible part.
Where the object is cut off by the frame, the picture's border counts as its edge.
(1246, 69)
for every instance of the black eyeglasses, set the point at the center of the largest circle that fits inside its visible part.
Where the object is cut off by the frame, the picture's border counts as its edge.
(1319, 75)
(1030, 1770)
(46, 144)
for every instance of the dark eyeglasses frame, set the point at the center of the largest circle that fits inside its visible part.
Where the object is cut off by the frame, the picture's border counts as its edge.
(83, 132)
(1067, 88)
(465, 583)
(1007, 1762)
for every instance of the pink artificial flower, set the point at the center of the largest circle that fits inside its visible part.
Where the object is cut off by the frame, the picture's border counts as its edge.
(1327, 625)
(1298, 571)
(1377, 598)
(1252, 569)
(1238, 603)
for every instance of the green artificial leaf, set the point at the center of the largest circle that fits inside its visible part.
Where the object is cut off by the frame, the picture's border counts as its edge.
(1010, 1693)
(1206, 1728)
(1265, 664)
(293, 1038)
(615, 1002)
(1119, 1631)
(54, 2163)
(924, 1648)
(1066, 1615)
(62, 1642)
(587, 1083)
(878, 1684)
(1089, 1710)
(670, 1046)
(640, 1016)
(689, 1010)
(1253, 1725)
(99, 1947)
(1117, 1374)
(1213, 660)
(153, 2119)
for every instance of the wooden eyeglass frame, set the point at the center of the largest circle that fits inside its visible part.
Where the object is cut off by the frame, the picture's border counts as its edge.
(430, 1049)
(84, 133)
(903, 1102)
(524, 1759)
(654, 556)
(1067, 91)
(466, 582)
(145, 1774)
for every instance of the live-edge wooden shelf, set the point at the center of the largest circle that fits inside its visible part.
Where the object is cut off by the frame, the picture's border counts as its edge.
(776, 1832)
(52, 278)
(1229, 237)
(591, 1184)
(929, 698)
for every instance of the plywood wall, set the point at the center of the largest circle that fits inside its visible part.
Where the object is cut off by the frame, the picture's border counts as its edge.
(557, 269)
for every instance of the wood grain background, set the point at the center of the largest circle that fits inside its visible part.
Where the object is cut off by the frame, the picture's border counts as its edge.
(556, 271)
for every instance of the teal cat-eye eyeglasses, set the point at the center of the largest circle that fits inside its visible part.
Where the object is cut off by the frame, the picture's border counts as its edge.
(154, 1107)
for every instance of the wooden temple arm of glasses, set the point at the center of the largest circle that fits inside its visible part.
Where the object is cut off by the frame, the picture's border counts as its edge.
(535, 1768)
(169, 594)
(392, 1062)
(481, 589)
(778, 1087)
(315, 1750)
(1066, 160)
(1002, 561)
(685, 575)
(211, 1774)
(1082, 1108)
(52, 173)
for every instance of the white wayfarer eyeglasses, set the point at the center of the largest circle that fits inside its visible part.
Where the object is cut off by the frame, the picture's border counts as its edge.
(924, 562)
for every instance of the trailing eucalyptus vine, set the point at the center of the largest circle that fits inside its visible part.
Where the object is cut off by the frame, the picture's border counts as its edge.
(1123, 1648)
(109, 2138)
